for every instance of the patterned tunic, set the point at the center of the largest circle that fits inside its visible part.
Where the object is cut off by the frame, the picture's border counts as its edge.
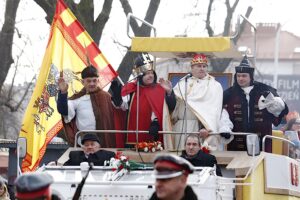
(256, 121)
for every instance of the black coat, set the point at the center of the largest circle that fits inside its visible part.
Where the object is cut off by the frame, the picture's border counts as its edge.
(98, 158)
(189, 194)
(203, 160)
(256, 121)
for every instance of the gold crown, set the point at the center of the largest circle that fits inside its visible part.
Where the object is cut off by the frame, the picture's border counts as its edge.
(199, 59)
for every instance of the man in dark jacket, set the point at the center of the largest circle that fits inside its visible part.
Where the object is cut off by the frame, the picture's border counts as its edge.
(91, 152)
(252, 107)
(171, 173)
(196, 156)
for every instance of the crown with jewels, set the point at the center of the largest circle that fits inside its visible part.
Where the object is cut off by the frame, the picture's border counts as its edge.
(199, 59)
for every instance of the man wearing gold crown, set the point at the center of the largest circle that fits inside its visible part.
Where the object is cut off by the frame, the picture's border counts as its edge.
(203, 105)
(252, 107)
(153, 104)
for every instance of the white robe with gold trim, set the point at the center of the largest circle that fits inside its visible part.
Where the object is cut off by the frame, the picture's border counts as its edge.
(204, 102)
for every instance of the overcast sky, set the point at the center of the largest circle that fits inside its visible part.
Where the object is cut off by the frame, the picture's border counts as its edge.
(174, 17)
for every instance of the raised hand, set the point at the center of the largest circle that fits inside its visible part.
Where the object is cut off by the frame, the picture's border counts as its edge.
(62, 85)
(203, 133)
(225, 135)
(166, 84)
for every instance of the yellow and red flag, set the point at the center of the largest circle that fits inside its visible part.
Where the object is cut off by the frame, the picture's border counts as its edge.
(69, 50)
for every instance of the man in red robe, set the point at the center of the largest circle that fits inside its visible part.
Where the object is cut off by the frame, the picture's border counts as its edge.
(152, 100)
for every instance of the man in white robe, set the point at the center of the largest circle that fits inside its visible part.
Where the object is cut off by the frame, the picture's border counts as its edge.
(204, 105)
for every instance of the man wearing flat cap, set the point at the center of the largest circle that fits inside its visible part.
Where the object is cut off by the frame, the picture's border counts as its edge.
(32, 186)
(171, 173)
(252, 107)
(89, 109)
(92, 152)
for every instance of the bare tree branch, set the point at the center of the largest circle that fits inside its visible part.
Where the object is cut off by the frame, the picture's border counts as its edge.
(230, 11)
(125, 67)
(6, 38)
(242, 26)
(102, 19)
(207, 22)
(144, 30)
(25, 93)
(219, 65)
(84, 11)
(48, 6)
(127, 9)
(150, 15)
(9, 96)
(118, 43)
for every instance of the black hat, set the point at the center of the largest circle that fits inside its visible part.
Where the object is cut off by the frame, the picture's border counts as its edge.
(142, 59)
(244, 67)
(89, 72)
(33, 185)
(169, 166)
(90, 137)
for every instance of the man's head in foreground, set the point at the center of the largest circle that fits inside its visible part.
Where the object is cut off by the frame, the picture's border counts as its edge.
(171, 173)
(33, 186)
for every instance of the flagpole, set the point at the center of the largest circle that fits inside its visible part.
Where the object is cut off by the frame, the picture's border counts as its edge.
(119, 78)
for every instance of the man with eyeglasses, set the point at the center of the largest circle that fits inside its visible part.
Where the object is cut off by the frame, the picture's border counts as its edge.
(89, 109)
(171, 174)
(92, 152)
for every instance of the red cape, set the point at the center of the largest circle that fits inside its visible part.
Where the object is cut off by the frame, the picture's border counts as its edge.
(151, 99)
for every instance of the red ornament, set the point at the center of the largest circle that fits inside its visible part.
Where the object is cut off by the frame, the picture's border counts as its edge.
(205, 150)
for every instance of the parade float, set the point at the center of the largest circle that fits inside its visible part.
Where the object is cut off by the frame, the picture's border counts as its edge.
(251, 175)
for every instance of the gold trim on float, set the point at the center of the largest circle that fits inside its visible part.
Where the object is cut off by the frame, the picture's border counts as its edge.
(221, 47)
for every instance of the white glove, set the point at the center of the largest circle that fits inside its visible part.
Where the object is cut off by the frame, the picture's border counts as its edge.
(274, 105)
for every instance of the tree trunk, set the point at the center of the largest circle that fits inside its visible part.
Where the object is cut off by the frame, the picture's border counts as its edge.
(125, 68)
(6, 38)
